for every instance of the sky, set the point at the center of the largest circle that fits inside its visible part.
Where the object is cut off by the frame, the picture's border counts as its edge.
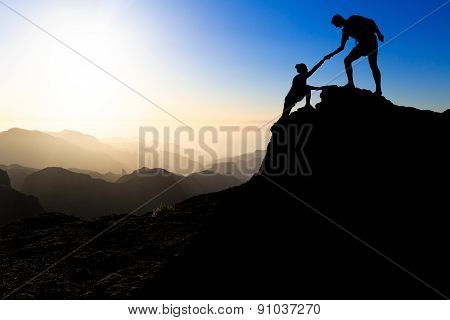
(207, 62)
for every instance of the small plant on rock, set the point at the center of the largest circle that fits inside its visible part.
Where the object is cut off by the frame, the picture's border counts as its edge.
(162, 210)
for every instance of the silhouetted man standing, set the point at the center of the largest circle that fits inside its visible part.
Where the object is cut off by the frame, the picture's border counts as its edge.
(365, 32)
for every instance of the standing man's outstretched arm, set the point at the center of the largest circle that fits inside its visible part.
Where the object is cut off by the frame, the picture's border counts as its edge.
(341, 47)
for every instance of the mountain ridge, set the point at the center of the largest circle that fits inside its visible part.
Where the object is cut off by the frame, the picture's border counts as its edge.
(14, 205)
(78, 194)
(37, 149)
(374, 196)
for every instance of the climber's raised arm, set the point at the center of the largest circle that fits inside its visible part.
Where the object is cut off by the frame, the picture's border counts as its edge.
(315, 68)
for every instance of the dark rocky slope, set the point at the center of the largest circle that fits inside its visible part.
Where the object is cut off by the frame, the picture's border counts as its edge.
(379, 173)
(117, 265)
(17, 174)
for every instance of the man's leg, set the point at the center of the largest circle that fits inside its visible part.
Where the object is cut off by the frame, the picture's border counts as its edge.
(373, 62)
(352, 56)
(308, 98)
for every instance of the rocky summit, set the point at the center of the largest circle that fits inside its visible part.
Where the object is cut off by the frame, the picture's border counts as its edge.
(350, 203)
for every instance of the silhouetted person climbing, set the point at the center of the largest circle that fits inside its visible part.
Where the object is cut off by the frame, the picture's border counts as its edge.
(300, 89)
(363, 30)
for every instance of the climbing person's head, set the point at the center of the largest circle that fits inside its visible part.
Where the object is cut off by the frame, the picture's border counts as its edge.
(338, 21)
(301, 68)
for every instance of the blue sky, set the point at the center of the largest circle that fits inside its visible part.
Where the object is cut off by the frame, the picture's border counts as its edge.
(253, 45)
(205, 60)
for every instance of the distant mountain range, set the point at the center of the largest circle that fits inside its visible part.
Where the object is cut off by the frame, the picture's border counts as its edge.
(23, 151)
(243, 167)
(39, 150)
(77, 174)
(61, 190)
(109, 176)
(128, 158)
(128, 154)
(17, 174)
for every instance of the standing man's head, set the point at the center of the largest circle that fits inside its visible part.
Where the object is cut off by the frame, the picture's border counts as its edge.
(338, 21)
(301, 68)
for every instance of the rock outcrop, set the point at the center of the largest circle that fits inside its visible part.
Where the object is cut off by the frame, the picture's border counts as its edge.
(362, 185)
(366, 217)
(4, 179)
(15, 206)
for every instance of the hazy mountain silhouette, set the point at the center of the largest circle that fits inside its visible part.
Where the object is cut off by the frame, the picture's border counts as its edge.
(84, 153)
(15, 206)
(82, 140)
(40, 150)
(251, 159)
(17, 174)
(378, 170)
(167, 157)
(61, 190)
(122, 144)
(109, 176)
(174, 162)
(192, 185)
(91, 143)
(189, 186)
(209, 181)
(146, 175)
(243, 167)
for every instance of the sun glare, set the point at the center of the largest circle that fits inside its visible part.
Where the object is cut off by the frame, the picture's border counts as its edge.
(48, 86)
(59, 86)
(102, 42)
